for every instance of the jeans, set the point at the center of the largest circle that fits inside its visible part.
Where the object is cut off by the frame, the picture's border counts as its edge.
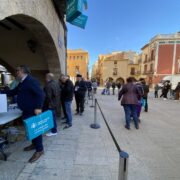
(145, 104)
(63, 108)
(68, 112)
(54, 129)
(130, 109)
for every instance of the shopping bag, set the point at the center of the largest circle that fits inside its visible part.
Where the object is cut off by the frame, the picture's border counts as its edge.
(38, 125)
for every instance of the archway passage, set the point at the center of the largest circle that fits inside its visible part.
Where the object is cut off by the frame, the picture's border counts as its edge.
(24, 40)
(110, 79)
(120, 80)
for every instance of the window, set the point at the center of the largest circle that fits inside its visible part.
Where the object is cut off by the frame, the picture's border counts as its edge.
(74, 57)
(152, 55)
(146, 58)
(81, 57)
(115, 72)
(77, 68)
(132, 71)
(115, 62)
(151, 68)
(70, 57)
(77, 57)
(145, 68)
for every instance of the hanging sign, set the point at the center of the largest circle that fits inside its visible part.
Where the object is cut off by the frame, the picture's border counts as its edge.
(74, 13)
(80, 21)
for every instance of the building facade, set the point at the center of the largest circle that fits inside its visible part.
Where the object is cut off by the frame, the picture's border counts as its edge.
(114, 67)
(33, 33)
(161, 57)
(77, 63)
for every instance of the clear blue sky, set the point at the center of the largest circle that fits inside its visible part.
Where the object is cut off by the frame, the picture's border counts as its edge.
(123, 25)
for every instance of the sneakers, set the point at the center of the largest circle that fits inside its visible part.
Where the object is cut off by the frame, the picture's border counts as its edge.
(51, 134)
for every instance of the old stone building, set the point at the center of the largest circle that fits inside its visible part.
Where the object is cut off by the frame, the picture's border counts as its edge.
(116, 67)
(77, 63)
(160, 57)
(33, 32)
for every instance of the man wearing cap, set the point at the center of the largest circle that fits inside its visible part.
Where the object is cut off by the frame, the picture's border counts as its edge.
(80, 91)
(30, 99)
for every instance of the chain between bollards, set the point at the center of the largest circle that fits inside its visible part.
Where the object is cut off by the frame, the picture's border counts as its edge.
(123, 156)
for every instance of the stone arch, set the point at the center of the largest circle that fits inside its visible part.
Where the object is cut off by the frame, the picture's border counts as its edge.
(110, 79)
(42, 39)
(120, 80)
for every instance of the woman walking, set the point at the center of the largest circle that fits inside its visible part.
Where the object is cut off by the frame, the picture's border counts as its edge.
(129, 95)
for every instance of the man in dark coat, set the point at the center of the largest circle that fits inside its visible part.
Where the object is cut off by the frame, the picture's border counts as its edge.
(145, 96)
(67, 97)
(80, 91)
(52, 99)
(113, 87)
(30, 99)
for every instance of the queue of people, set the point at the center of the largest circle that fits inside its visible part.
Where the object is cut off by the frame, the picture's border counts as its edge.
(32, 100)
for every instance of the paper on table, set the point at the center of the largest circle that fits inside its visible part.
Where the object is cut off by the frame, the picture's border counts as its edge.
(3, 103)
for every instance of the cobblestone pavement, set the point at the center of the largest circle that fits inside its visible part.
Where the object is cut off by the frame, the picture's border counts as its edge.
(82, 153)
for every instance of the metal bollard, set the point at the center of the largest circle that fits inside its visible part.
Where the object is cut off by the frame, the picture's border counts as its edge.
(92, 101)
(95, 125)
(123, 165)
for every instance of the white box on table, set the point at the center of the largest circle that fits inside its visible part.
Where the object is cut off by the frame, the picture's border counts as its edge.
(3, 103)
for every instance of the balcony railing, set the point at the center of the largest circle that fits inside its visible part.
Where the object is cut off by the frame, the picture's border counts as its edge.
(148, 72)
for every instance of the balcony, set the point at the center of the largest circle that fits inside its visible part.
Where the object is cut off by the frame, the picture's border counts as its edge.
(148, 72)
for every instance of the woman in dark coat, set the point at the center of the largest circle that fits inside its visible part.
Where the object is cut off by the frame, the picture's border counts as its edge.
(129, 95)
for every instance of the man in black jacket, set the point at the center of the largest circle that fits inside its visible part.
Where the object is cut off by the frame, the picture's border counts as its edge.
(67, 97)
(80, 91)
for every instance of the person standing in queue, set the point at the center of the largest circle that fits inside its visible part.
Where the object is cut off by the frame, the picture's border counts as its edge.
(80, 92)
(52, 99)
(67, 97)
(30, 99)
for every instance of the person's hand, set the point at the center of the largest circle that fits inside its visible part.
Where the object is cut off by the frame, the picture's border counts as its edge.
(37, 111)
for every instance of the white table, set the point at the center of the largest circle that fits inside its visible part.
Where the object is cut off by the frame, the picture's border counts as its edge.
(9, 116)
(5, 118)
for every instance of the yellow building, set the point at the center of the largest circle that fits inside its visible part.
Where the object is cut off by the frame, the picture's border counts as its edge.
(115, 67)
(77, 63)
